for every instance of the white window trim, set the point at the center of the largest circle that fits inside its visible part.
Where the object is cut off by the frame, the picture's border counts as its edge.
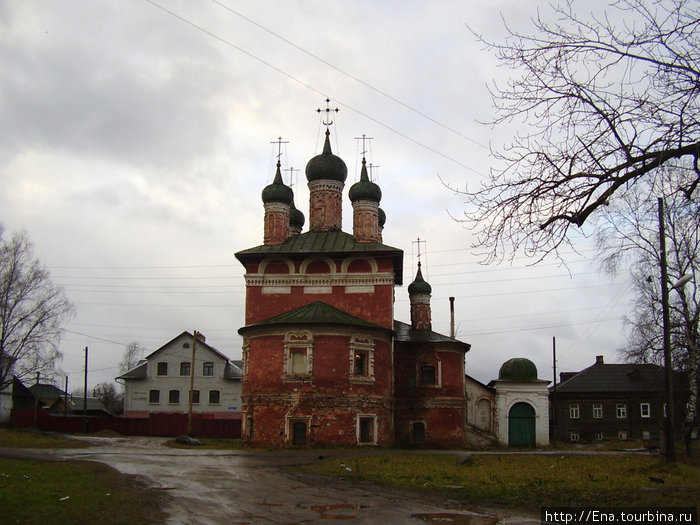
(621, 410)
(362, 343)
(642, 406)
(574, 411)
(597, 410)
(298, 339)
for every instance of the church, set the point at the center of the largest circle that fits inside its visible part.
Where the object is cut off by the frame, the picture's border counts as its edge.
(324, 361)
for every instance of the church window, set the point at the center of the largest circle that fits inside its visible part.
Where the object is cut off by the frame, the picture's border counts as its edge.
(427, 375)
(361, 359)
(298, 355)
(367, 430)
(418, 432)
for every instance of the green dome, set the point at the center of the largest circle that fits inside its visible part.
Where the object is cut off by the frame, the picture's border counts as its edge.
(382, 218)
(419, 286)
(518, 369)
(326, 166)
(365, 189)
(277, 191)
(296, 218)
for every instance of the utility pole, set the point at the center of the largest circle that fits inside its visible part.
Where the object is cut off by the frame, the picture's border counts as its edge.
(189, 408)
(668, 364)
(65, 399)
(553, 424)
(86, 423)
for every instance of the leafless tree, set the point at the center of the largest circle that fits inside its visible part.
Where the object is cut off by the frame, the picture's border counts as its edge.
(32, 311)
(604, 100)
(628, 232)
(109, 397)
(132, 355)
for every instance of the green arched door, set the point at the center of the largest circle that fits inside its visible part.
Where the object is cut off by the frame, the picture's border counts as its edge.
(521, 425)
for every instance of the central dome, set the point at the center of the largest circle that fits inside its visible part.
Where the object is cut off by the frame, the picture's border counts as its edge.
(326, 166)
(518, 369)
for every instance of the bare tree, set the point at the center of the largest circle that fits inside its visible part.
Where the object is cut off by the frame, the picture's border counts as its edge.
(607, 99)
(629, 232)
(132, 355)
(32, 311)
(107, 393)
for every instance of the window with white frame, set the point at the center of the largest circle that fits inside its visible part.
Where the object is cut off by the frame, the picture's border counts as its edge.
(621, 410)
(298, 355)
(598, 436)
(645, 409)
(597, 410)
(361, 359)
(574, 435)
(574, 411)
(622, 435)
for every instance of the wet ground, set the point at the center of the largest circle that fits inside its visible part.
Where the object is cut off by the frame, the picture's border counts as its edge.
(209, 487)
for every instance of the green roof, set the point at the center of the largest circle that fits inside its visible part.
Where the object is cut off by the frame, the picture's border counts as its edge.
(317, 312)
(327, 243)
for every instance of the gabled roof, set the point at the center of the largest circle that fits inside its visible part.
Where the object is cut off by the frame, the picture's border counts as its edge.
(405, 333)
(138, 372)
(75, 404)
(327, 243)
(316, 312)
(43, 391)
(200, 343)
(628, 377)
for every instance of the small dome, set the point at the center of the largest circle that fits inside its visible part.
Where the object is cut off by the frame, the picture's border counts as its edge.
(365, 189)
(382, 217)
(518, 369)
(277, 191)
(296, 218)
(419, 286)
(326, 166)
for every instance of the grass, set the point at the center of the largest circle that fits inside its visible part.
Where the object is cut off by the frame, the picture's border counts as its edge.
(529, 481)
(75, 493)
(36, 439)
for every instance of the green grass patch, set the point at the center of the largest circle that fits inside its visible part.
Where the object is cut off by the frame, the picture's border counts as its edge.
(73, 493)
(36, 439)
(529, 481)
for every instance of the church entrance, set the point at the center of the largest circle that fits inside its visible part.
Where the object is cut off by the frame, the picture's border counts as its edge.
(521, 425)
(299, 433)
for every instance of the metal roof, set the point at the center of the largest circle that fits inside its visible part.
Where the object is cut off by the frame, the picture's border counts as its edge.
(327, 243)
(406, 334)
(602, 377)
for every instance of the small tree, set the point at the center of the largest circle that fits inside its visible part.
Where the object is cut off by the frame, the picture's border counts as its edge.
(109, 397)
(606, 101)
(32, 311)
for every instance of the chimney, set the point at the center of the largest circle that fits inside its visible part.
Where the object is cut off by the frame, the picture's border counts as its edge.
(452, 317)
(599, 360)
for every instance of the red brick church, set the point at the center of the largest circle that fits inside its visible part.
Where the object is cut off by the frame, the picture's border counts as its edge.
(325, 362)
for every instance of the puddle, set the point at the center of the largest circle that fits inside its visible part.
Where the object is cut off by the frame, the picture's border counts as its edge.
(330, 512)
(458, 519)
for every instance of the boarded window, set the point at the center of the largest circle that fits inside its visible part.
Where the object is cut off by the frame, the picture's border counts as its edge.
(298, 356)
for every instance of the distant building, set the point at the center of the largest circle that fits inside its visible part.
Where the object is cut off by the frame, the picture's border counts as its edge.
(74, 406)
(161, 381)
(613, 401)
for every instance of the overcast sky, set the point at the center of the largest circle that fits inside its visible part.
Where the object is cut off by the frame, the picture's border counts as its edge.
(137, 137)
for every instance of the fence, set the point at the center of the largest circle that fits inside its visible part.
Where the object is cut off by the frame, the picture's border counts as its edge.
(155, 424)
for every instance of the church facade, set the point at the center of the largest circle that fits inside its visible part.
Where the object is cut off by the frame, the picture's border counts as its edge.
(324, 361)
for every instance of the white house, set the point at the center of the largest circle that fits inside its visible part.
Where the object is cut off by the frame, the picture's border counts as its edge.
(161, 381)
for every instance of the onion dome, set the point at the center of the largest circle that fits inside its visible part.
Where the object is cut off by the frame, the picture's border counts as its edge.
(365, 189)
(382, 217)
(326, 166)
(277, 191)
(296, 218)
(419, 286)
(518, 369)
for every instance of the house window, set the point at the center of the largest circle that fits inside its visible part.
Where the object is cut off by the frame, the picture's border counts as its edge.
(208, 369)
(174, 397)
(574, 411)
(427, 375)
(621, 410)
(195, 397)
(298, 355)
(361, 359)
(574, 435)
(598, 436)
(154, 397)
(366, 430)
(185, 368)
(646, 435)
(645, 409)
(622, 435)
(597, 410)
(162, 369)
(214, 397)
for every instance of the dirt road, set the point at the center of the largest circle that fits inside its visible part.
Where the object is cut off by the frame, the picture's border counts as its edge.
(208, 487)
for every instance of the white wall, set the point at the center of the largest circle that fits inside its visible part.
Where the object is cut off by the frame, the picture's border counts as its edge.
(536, 394)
